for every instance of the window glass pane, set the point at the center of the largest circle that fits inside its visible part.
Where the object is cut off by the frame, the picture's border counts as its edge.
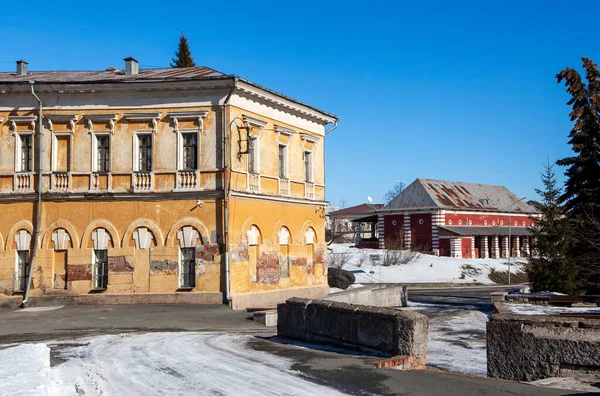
(308, 166)
(23, 270)
(103, 153)
(190, 151)
(282, 162)
(188, 267)
(145, 153)
(26, 153)
(100, 269)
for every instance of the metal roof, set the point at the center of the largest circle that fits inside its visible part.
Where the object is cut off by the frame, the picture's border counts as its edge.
(113, 75)
(356, 211)
(482, 230)
(442, 194)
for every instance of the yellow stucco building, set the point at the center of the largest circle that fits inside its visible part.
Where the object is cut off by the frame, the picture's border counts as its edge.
(159, 185)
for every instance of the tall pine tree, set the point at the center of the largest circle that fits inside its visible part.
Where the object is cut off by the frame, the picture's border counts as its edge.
(582, 188)
(550, 267)
(183, 55)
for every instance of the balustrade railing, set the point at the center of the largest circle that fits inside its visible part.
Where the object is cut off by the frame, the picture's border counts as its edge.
(23, 182)
(60, 181)
(187, 180)
(284, 186)
(142, 181)
(253, 182)
(309, 190)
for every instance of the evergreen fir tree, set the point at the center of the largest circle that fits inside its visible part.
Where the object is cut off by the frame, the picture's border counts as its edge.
(550, 267)
(183, 55)
(582, 188)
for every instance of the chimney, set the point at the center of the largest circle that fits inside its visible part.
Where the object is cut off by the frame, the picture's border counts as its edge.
(131, 66)
(21, 68)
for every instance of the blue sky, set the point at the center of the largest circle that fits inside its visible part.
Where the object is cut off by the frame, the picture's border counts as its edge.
(449, 90)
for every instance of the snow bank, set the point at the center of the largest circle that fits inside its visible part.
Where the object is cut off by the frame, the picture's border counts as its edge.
(424, 269)
(24, 370)
(152, 364)
(533, 309)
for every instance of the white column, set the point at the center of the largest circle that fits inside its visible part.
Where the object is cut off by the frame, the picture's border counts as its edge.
(381, 230)
(484, 246)
(456, 247)
(526, 246)
(517, 246)
(495, 246)
(437, 219)
(505, 247)
(472, 247)
(407, 233)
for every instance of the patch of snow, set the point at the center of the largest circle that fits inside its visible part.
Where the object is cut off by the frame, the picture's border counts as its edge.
(457, 343)
(39, 309)
(152, 364)
(534, 309)
(333, 290)
(566, 383)
(425, 268)
(24, 370)
(540, 293)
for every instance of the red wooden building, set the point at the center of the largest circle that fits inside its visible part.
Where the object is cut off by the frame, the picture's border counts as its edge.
(457, 219)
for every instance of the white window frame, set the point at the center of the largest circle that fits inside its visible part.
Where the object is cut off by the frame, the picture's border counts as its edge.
(95, 275)
(55, 150)
(254, 130)
(26, 265)
(285, 163)
(191, 281)
(311, 171)
(95, 155)
(254, 153)
(136, 151)
(18, 151)
(180, 148)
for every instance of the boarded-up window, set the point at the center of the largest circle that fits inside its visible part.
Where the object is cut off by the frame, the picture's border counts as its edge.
(63, 153)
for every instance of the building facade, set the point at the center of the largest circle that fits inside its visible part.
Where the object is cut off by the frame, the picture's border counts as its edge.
(175, 182)
(457, 219)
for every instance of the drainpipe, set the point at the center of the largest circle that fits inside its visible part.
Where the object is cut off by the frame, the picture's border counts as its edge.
(36, 231)
(335, 125)
(226, 185)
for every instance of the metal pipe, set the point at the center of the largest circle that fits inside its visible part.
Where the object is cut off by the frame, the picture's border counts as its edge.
(335, 125)
(40, 160)
(509, 236)
(226, 184)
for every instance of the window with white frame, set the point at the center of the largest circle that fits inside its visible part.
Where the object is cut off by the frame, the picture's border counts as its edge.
(189, 151)
(100, 268)
(24, 152)
(253, 154)
(102, 153)
(308, 167)
(283, 161)
(188, 267)
(23, 266)
(143, 151)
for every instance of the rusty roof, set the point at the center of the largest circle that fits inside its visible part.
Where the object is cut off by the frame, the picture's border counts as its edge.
(114, 75)
(356, 211)
(442, 194)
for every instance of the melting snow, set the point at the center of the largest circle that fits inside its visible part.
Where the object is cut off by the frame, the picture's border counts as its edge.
(151, 364)
(533, 309)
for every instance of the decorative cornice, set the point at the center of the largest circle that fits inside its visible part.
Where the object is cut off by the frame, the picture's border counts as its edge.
(67, 118)
(14, 120)
(144, 117)
(284, 131)
(109, 118)
(251, 122)
(187, 115)
(308, 138)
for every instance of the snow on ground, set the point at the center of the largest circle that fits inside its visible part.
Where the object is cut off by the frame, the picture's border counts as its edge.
(338, 290)
(457, 342)
(533, 309)
(424, 269)
(24, 369)
(151, 364)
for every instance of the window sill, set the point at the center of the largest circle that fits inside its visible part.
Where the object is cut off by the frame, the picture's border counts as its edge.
(185, 288)
(97, 290)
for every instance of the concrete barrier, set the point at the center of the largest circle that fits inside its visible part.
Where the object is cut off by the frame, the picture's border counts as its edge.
(532, 347)
(376, 296)
(359, 327)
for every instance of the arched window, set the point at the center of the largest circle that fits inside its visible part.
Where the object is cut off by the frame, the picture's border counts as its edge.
(23, 242)
(284, 251)
(189, 237)
(102, 241)
(254, 240)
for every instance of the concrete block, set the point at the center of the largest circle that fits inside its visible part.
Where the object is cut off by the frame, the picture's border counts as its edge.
(199, 298)
(266, 318)
(291, 318)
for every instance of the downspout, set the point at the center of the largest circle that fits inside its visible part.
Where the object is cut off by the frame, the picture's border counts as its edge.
(36, 230)
(335, 125)
(226, 185)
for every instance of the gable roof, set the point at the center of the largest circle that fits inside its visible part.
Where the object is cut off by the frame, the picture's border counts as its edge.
(442, 194)
(356, 211)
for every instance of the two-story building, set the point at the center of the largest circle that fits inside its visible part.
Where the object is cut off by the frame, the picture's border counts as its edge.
(163, 185)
